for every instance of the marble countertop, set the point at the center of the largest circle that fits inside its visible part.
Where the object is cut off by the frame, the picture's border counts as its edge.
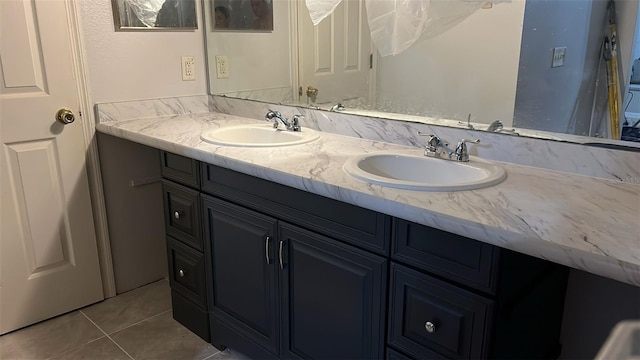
(583, 222)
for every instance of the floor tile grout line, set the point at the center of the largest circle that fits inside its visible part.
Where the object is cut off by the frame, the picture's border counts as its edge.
(72, 348)
(107, 335)
(135, 323)
(212, 355)
(141, 321)
(75, 348)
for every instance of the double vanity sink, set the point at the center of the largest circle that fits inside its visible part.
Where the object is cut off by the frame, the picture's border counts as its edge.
(389, 169)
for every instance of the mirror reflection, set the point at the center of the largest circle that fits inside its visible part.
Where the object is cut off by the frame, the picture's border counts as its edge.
(539, 67)
(242, 15)
(154, 14)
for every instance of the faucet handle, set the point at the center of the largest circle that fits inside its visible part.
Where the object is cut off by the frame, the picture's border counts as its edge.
(273, 115)
(337, 107)
(461, 153)
(434, 143)
(295, 122)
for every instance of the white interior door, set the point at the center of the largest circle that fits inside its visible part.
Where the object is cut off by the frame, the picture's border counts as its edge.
(335, 55)
(48, 254)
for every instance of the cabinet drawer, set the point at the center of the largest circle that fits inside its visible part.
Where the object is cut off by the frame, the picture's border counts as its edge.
(180, 169)
(182, 214)
(467, 261)
(349, 223)
(429, 318)
(186, 272)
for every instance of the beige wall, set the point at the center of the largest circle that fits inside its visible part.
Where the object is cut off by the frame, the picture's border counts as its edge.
(131, 65)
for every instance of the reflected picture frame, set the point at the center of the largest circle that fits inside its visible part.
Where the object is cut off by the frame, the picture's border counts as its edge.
(242, 15)
(164, 15)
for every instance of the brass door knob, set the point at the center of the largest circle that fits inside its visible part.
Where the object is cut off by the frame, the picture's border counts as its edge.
(311, 91)
(65, 116)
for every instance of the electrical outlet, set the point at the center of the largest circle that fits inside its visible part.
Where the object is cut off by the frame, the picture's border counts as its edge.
(559, 55)
(188, 68)
(222, 66)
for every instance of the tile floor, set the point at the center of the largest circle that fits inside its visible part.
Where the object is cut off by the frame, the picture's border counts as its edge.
(134, 325)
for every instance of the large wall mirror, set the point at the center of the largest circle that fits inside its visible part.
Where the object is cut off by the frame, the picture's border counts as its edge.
(154, 14)
(535, 65)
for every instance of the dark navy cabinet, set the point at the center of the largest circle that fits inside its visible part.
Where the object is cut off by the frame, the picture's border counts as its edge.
(457, 298)
(333, 298)
(268, 278)
(183, 226)
(434, 319)
(243, 277)
(279, 273)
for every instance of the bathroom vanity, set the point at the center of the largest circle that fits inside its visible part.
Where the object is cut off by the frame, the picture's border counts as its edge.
(278, 253)
(289, 274)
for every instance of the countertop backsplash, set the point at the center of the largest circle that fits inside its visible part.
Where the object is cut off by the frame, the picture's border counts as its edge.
(554, 155)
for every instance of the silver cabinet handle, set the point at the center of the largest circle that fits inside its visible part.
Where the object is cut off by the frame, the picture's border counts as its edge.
(280, 254)
(266, 249)
(430, 327)
(181, 273)
(176, 215)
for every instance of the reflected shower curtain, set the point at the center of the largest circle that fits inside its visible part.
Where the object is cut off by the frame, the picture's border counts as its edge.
(396, 24)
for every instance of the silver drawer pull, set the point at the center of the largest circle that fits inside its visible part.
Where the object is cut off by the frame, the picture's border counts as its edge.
(176, 215)
(181, 273)
(430, 327)
(280, 255)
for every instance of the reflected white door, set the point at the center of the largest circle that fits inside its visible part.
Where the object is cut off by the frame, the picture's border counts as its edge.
(48, 253)
(335, 55)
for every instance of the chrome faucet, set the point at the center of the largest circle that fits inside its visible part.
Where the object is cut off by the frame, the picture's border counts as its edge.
(495, 126)
(337, 107)
(277, 118)
(435, 146)
(498, 127)
(461, 153)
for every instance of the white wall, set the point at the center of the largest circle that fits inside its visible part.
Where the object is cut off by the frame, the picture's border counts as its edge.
(258, 60)
(470, 69)
(131, 65)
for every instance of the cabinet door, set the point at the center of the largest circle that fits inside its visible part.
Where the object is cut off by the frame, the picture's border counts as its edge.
(333, 298)
(242, 270)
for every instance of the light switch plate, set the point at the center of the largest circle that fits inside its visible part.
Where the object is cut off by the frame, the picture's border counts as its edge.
(559, 54)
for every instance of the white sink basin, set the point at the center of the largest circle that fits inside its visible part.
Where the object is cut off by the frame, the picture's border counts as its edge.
(417, 172)
(257, 135)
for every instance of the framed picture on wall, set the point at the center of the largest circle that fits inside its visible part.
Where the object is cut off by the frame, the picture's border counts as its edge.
(254, 15)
